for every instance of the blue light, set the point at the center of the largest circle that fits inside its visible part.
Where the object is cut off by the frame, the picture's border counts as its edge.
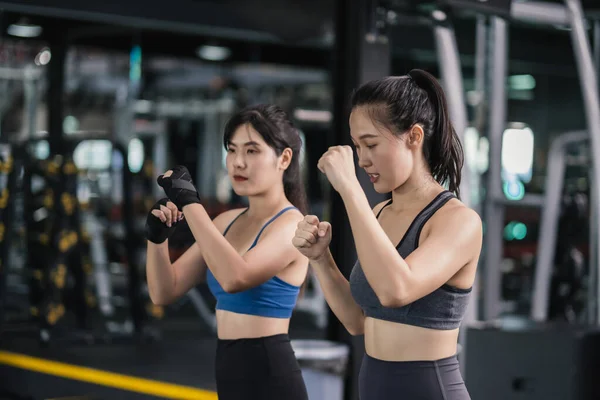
(514, 190)
(135, 63)
(519, 231)
(515, 230)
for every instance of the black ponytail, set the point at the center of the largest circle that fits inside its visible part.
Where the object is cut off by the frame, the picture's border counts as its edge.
(400, 102)
(444, 152)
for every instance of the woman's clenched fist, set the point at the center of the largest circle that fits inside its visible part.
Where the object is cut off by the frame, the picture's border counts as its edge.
(312, 237)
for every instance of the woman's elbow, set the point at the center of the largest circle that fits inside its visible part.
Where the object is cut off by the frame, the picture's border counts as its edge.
(160, 299)
(231, 287)
(356, 328)
(234, 285)
(393, 299)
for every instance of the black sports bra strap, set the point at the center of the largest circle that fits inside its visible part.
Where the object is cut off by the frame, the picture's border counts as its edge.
(419, 222)
(385, 205)
(414, 229)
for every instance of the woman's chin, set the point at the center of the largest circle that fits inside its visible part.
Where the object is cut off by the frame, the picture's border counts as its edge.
(381, 189)
(240, 192)
(244, 191)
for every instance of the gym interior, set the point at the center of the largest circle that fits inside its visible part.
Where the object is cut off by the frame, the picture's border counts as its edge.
(149, 86)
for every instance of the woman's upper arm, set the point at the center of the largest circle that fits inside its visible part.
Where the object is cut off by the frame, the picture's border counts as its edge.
(190, 267)
(454, 241)
(273, 252)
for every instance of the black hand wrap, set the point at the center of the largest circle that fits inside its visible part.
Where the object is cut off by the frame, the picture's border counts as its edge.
(179, 187)
(156, 230)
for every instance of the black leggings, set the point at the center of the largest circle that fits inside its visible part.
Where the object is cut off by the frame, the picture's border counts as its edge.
(262, 368)
(411, 380)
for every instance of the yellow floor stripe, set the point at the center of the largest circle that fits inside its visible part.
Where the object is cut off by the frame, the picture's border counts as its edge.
(104, 378)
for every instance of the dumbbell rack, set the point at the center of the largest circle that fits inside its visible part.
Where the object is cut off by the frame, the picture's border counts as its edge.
(55, 263)
(7, 178)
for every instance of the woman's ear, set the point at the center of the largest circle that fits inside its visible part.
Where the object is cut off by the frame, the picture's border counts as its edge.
(415, 136)
(285, 159)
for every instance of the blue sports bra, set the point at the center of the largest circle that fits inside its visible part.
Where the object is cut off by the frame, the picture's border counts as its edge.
(274, 298)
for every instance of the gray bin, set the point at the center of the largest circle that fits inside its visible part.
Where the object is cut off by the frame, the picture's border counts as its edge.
(323, 365)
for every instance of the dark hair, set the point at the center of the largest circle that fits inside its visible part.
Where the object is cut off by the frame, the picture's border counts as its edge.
(400, 102)
(279, 132)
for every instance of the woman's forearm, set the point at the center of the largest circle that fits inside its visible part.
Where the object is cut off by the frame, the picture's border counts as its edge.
(386, 271)
(337, 293)
(225, 263)
(159, 273)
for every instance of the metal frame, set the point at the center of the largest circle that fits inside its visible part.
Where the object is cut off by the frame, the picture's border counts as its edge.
(593, 290)
(313, 302)
(542, 13)
(539, 12)
(591, 104)
(204, 311)
(452, 81)
(549, 221)
(31, 77)
(494, 209)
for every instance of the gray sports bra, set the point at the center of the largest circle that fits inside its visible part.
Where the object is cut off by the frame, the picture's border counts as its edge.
(444, 308)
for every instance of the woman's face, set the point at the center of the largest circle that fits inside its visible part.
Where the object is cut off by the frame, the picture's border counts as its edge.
(252, 165)
(388, 159)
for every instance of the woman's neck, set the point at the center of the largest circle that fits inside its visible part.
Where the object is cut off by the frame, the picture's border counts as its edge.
(265, 205)
(414, 192)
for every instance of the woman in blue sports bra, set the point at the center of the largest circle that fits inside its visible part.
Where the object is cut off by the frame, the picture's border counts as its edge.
(254, 271)
(417, 253)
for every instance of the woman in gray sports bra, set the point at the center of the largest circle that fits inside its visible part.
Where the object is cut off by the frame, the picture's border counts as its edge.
(417, 253)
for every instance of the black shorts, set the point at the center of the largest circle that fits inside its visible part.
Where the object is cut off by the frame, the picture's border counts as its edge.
(411, 380)
(262, 368)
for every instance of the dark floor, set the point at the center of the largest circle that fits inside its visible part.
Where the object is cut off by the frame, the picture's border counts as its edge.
(183, 355)
(17, 384)
(184, 362)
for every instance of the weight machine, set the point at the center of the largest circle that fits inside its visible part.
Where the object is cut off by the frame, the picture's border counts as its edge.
(550, 213)
(524, 370)
(570, 14)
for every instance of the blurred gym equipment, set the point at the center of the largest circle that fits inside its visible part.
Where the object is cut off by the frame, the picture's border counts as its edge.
(64, 245)
(530, 360)
(500, 371)
(570, 14)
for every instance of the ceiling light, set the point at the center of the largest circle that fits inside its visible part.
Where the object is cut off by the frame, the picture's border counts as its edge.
(438, 15)
(43, 57)
(24, 29)
(313, 115)
(213, 53)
